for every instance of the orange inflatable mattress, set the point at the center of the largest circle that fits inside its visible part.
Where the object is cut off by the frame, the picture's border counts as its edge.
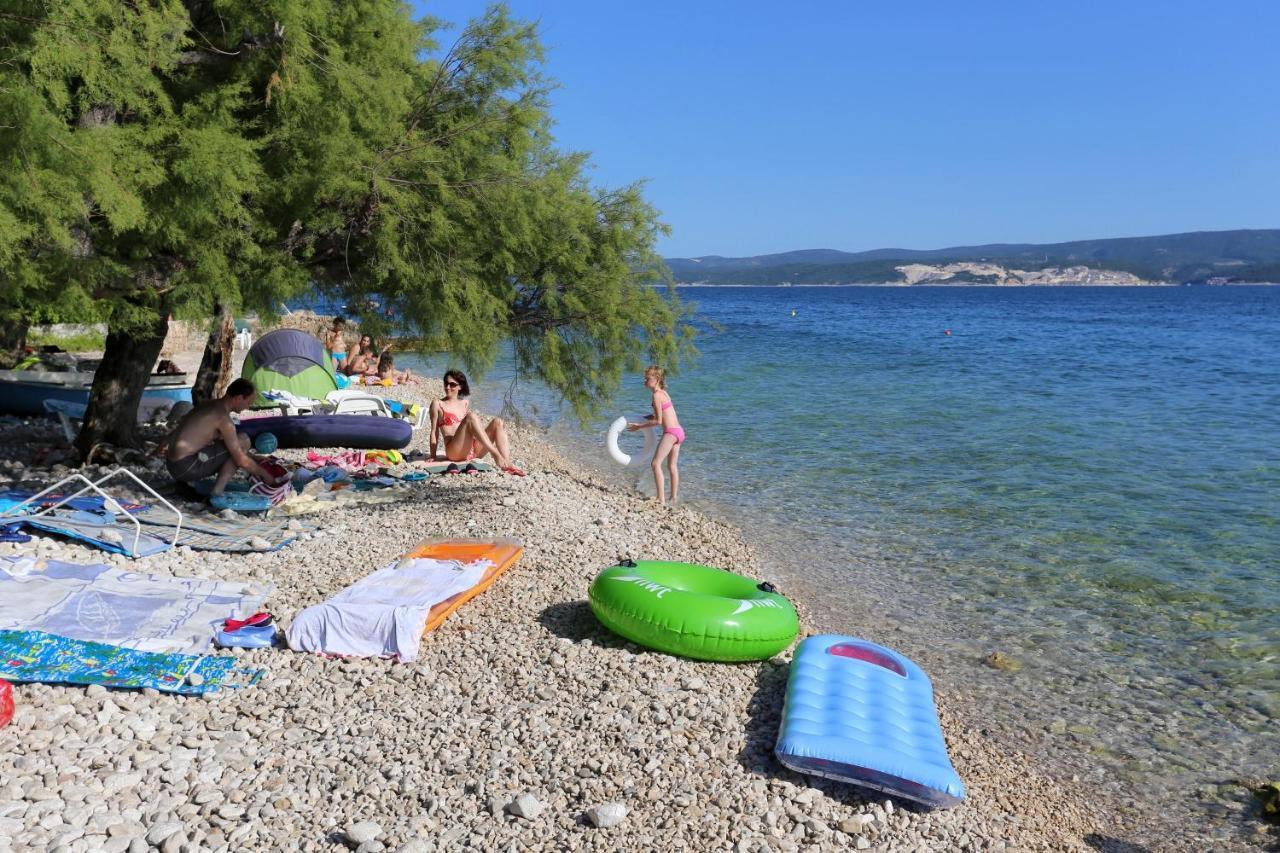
(503, 553)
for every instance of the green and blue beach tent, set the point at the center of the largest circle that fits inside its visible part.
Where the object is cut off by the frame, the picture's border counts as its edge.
(289, 360)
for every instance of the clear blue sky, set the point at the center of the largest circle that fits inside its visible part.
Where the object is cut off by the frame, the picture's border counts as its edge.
(763, 127)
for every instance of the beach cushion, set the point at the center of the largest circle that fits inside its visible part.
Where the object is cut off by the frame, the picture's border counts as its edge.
(862, 713)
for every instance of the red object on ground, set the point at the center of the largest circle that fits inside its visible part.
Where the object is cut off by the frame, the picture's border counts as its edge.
(6, 703)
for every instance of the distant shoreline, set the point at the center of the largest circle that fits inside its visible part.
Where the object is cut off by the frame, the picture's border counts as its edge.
(961, 284)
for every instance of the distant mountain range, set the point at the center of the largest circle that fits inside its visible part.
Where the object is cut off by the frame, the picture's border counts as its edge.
(1215, 257)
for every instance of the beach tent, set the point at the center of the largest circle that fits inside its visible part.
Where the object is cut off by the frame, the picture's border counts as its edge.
(289, 360)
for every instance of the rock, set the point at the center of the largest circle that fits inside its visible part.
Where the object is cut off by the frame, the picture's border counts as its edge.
(158, 833)
(509, 500)
(854, 825)
(358, 833)
(1003, 662)
(1269, 794)
(417, 845)
(525, 806)
(861, 842)
(607, 814)
(195, 679)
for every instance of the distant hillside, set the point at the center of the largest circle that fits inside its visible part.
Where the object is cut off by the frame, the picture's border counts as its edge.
(1197, 256)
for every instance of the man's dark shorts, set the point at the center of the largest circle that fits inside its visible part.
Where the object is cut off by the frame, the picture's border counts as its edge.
(199, 465)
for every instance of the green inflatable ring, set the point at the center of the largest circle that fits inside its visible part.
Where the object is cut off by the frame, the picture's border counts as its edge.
(694, 611)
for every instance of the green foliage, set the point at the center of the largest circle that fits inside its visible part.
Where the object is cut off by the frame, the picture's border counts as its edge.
(168, 155)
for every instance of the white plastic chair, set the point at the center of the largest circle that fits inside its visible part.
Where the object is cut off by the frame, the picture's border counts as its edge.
(350, 401)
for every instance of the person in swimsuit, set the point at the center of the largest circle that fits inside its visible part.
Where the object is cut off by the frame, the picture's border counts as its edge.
(205, 442)
(664, 415)
(388, 372)
(361, 357)
(336, 343)
(460, 430)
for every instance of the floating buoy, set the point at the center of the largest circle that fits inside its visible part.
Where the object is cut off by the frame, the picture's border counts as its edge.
(793, 312)
(947, 333)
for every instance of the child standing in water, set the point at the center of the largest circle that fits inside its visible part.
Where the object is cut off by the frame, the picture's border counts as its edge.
(664, 415)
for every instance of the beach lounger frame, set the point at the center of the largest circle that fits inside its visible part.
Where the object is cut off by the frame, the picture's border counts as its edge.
(108, 502)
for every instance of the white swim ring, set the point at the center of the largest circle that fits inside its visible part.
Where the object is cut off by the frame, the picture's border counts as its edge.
(611, 441)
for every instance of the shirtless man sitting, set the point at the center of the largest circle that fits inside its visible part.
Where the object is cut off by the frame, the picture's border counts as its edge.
(206, 442)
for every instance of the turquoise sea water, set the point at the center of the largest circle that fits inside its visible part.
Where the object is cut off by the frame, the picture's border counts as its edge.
(1086, 480)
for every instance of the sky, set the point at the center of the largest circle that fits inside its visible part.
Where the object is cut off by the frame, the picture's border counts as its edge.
(853, 124)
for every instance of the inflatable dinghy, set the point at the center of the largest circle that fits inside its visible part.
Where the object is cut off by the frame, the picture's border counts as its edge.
(363, 432)
(864, 714)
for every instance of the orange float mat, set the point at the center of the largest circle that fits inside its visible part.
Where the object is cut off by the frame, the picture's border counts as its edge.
(503, 553)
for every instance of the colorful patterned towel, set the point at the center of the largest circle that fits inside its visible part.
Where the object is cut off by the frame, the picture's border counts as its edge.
(48, 658)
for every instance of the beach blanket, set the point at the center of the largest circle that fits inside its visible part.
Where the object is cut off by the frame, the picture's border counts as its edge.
(305, 504)
(236, 536)
(96, 602)
(48, 658)
(100, 530)
(384, 614)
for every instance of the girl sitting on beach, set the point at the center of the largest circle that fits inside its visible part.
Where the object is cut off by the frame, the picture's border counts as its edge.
(664, 415)
(361, 358)
(459, 429)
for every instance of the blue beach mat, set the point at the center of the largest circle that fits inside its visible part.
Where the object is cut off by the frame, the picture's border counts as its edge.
(48, 658)
(861, 713)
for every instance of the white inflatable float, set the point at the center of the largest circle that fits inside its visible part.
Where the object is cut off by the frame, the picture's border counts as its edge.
(611, 442)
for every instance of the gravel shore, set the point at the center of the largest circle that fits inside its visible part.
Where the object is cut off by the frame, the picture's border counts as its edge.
(523, 725)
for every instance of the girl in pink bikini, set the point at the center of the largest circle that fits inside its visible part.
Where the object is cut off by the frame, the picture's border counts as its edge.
(664, 415)
(460, 430)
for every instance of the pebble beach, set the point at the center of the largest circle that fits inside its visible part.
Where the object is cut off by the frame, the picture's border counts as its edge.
(523, 724)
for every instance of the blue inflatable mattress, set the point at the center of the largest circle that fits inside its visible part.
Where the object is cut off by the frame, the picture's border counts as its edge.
(362, 432)
(860, 713)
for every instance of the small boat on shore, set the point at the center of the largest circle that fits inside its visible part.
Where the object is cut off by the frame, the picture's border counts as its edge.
(23, 392)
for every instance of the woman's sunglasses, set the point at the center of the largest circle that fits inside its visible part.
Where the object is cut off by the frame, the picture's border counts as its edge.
(452, 384)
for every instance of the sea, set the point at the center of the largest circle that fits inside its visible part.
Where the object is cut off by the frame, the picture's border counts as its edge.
(1064, 502)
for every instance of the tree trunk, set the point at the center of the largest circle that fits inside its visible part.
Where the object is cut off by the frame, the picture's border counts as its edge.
(112, 416)
(215, 366)
(13, 342)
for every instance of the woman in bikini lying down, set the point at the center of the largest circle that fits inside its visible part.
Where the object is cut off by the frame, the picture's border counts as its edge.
(460, 430)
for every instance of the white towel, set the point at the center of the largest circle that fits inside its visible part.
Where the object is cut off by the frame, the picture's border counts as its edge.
(384, 614)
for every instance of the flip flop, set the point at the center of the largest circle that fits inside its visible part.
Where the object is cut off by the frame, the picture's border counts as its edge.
(513, 470)
(471, 469)
(12, 533)
(257, 619)
(452, 469)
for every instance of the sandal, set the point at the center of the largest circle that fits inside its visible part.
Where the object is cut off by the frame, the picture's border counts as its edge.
(514, 471)
(452, 469)
(256, 620)
(471, 468)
